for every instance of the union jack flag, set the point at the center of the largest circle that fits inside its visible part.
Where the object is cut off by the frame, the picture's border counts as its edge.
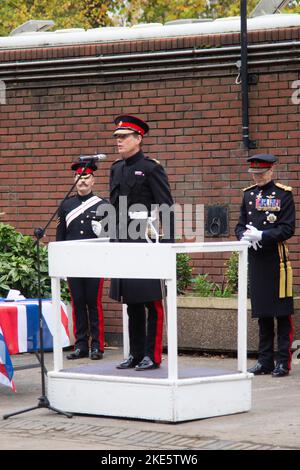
(6, 367)
(19, 332)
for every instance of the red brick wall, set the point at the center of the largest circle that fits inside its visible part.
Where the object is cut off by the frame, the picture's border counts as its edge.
(195, 132)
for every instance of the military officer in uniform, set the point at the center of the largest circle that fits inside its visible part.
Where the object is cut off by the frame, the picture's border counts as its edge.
(75, 222)
(141, 180)
(267, 220)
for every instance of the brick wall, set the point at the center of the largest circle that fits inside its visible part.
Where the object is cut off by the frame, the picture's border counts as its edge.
(195, 121)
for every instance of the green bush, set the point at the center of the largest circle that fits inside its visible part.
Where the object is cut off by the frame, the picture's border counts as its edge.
(205, 288)
(231, 273)
(184, 272)
(202, 286)
(18, 265)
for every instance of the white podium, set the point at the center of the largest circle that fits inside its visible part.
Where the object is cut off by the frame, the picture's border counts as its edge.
(165, 394)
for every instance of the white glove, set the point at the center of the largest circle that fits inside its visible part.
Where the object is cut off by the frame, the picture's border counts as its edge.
(252, 234)
(97, 228)
(138, 215)
(151, 231)
(255, 245)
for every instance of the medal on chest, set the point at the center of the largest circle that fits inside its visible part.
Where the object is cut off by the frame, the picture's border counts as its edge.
(267, 203)
(271, 218)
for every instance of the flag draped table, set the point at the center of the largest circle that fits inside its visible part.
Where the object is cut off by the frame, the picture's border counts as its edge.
(19, 330)
(6, 367)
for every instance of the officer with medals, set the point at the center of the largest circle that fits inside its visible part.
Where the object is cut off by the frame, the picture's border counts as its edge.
(141, 181)
(267, 220)
(76, 217)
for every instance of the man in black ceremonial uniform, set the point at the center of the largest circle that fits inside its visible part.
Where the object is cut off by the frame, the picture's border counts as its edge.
(76, 216)
(267, 220)
(139, 180)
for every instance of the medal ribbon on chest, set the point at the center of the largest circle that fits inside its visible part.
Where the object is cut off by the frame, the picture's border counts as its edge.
(267, 203)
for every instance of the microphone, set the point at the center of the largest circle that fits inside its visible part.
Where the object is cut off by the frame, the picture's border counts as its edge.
(93, 158)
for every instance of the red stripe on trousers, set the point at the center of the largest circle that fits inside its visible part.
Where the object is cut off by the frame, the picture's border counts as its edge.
(100, 315)
(159, 331)
(291, 340)
(73, 315)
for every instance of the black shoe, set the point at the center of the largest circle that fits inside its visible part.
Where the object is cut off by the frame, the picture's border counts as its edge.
(78, 354)
(96, 354)
(128, 363)
(146, 364)
(259, 369)
(280, 371)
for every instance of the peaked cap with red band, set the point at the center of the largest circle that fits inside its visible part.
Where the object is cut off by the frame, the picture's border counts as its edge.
(129, 124)
(79, 166)
(261, 162)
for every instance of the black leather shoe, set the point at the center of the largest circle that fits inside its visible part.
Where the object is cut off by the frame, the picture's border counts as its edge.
(96, 354)
(77, 354)
(280, 371)
(128, 363)
(259, 369)
(146, 364)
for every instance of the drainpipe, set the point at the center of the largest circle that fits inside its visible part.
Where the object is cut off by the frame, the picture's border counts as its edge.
(248, 143)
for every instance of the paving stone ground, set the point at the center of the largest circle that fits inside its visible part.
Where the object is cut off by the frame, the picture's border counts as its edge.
(272, 424)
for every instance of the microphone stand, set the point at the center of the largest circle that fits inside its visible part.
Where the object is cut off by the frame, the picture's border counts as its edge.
(43, 401)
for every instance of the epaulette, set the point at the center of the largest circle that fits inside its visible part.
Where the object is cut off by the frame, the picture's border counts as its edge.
(249, 187)
(153, 160)
(283, 186)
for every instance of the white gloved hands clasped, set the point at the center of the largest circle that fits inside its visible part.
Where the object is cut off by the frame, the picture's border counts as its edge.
(255, 245)
(253, 236)
(97, 228)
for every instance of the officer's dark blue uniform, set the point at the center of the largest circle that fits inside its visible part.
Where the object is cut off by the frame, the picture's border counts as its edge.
(268, 212)
(75, 218)
(143, 181)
